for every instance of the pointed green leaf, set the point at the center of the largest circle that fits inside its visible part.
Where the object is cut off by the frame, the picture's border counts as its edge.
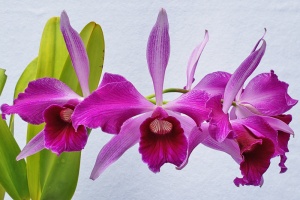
(33, 167)
(46, 161)
(2, 83)
(61, 182)
(28, 75)
(93, 38)
(12, 173)
(53, 52)
(2, 79)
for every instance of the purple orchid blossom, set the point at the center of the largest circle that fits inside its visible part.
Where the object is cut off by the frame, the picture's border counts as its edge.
(255, 130)
(53, 102)
(118, 108)
(261, 127)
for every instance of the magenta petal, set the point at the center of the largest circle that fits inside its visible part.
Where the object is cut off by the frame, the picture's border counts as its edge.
(195, 138)
(116, 147)
(259, 127)
(191, 131)
(158, 51)
(256, 162)
(193, 61)
(186, 122)
(229, 146)
(111, 78)
(219, 124)
(60, 136)
(192, 104)
(77, 53)
(162, 141)
(241, 74)
(283, 139)
(268, 95)
(241, 111)
(278, 124)
(40, 94)
(110, 106)
(281, 164)
(35, 145)
(256, 152)
(214, 83)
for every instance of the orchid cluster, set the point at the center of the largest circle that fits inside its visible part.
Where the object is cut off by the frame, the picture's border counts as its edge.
(247, 122)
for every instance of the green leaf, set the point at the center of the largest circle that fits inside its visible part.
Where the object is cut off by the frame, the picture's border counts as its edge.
(33, 166)
(53, 51)
(28, 75)
(2, 79)
(93, 38)
(12, 173)
(62, 180)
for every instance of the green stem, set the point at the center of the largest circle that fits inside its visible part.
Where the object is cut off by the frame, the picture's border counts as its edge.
(179, 90)
(154, 102)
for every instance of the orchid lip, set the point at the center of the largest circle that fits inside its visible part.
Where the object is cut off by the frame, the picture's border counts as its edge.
(162, 141)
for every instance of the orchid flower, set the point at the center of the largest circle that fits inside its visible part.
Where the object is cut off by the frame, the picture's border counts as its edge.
(53, 102)
(260, 125)
(118, 108)
(256, 124)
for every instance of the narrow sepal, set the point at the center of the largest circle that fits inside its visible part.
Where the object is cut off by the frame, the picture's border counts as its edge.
(77, 53)
(158, 51)
(238, 78)
(35, 145)
(116, 147)
(193, 61)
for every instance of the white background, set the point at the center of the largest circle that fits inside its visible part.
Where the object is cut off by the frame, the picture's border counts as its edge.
(234, 28)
